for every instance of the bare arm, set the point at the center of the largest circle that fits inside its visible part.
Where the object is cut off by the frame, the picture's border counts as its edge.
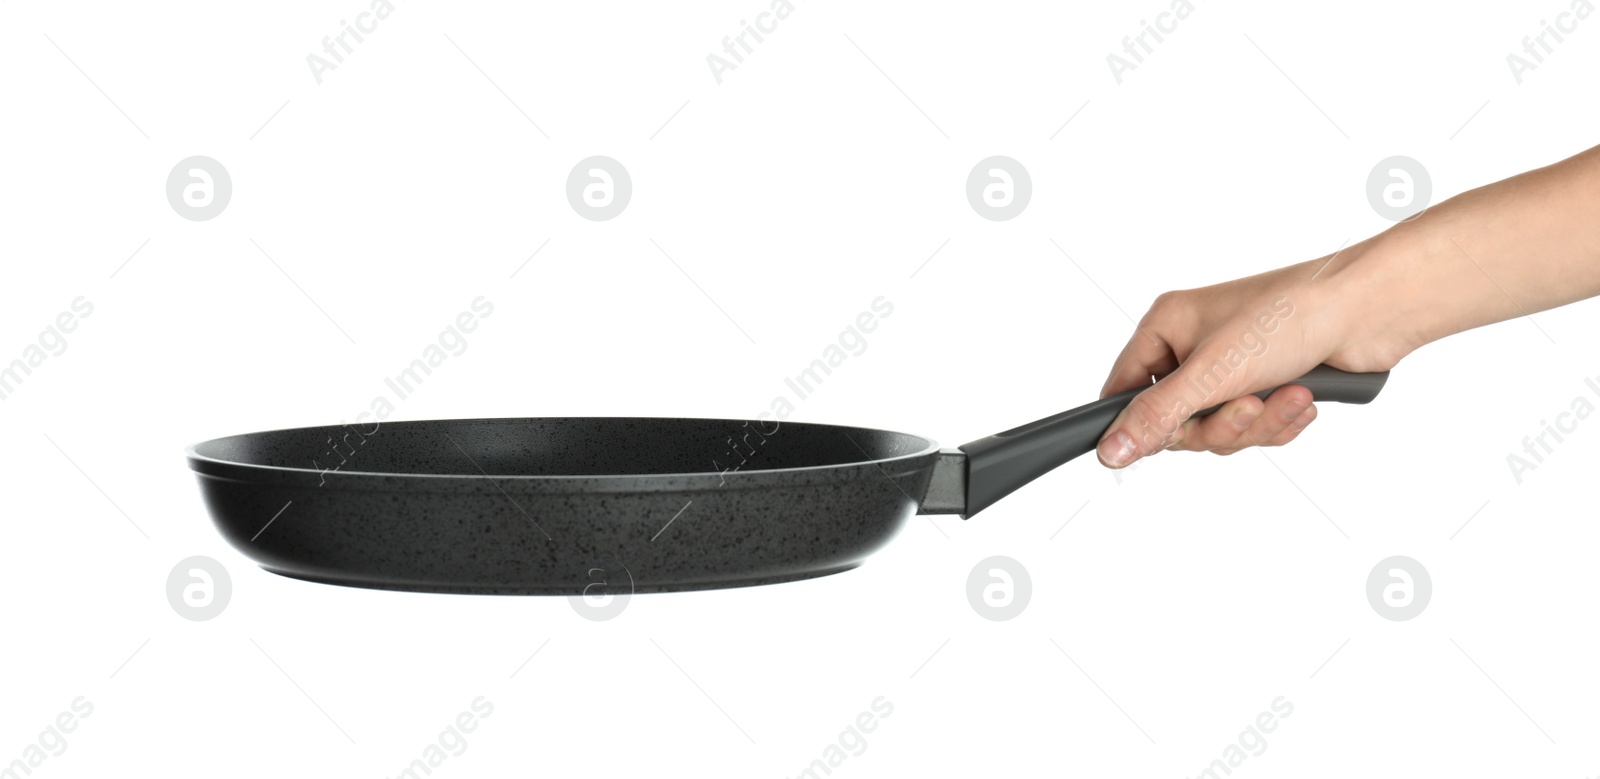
(1518, 246)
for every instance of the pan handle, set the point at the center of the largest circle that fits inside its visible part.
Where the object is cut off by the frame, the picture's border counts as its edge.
(999, 464)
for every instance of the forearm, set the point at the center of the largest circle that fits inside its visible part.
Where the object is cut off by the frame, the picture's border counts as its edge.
(1515, 247)
(1512, 248)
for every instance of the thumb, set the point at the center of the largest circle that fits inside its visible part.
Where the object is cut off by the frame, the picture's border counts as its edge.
(1154, 419)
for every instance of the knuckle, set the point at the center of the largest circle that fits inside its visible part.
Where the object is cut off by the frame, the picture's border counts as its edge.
(1168, 300)
(1165, 307)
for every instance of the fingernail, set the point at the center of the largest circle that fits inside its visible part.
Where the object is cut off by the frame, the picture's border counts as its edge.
(1117, 450)
(1293, 409)
(1304, 419)
(1243, 419)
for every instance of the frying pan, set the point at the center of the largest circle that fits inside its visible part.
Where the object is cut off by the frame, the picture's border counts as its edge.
(539, 505)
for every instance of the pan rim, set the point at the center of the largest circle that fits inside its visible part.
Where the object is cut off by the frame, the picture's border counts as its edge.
(207, 465)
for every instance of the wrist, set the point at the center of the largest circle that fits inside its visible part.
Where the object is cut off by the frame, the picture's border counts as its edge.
(1371, 291)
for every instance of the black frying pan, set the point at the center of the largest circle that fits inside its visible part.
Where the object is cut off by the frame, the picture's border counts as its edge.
(537, 505)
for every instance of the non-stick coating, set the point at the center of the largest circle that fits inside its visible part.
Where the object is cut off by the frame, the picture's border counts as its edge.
(539, 505)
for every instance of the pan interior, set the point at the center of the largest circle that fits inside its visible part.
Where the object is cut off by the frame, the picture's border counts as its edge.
(564, 446)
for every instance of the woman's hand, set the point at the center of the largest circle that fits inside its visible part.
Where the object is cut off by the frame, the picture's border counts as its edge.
(1518, 246)
(1219, 344)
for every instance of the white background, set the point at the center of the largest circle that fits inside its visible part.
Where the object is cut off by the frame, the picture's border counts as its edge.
(1175, 606)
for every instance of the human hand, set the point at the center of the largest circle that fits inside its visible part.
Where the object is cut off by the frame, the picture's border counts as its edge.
(1217, 345)
(1508, 249)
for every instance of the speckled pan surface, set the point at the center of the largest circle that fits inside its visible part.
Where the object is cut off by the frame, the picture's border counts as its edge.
(535, 505)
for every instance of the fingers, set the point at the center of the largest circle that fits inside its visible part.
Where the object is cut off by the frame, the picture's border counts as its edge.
(1159, 418)
(1225, 429)
(1156, 417)
(1147, 355)
(1197, 363)
(1248, 421)
(1288, 412)
(1149, 423)
(1161, 340)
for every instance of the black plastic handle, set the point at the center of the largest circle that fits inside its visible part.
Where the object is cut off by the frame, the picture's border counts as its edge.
(999, 464)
